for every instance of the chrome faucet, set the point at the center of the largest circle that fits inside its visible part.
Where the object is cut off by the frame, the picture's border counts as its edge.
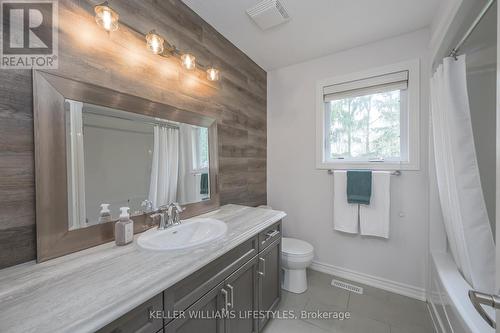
(169, 215)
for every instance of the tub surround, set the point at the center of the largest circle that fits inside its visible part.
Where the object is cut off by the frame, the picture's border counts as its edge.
(109, 280)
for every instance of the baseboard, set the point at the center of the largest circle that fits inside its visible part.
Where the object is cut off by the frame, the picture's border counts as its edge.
(370, 280)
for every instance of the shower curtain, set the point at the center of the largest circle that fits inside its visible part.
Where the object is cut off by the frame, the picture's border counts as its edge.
(76, 169)
(464, 211)
(165, 166)
(190, 181)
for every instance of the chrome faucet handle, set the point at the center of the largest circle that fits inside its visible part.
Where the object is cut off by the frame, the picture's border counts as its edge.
(174, 210)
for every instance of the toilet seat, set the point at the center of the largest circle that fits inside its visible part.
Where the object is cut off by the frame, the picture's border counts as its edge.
(296, 248)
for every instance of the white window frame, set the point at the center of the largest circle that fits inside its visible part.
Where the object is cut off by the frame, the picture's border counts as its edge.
(411, 148)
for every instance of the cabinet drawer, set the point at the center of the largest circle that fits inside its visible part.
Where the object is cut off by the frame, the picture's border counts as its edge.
(186, 292)
(138, 320)
(269, 235)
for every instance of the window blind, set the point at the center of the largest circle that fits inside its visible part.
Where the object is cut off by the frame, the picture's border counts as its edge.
(371, 85)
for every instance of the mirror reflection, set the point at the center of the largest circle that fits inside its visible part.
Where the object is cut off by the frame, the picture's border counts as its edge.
(117, 158)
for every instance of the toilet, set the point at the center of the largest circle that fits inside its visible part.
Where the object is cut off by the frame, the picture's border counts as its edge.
(296, 256)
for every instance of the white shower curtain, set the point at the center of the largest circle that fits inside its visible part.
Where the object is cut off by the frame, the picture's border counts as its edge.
(76, 169)
(464, 211)
(165, 166)
(186, 192)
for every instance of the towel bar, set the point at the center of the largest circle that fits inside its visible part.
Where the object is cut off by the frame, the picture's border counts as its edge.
(394, 173)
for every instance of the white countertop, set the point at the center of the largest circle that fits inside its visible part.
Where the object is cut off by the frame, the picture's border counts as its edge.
(86, 290)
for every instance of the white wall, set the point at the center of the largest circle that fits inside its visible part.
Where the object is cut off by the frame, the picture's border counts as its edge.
(305, 194)
(118, 156)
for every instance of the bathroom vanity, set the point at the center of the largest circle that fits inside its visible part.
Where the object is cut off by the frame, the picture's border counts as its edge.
(218, 271)
(245, 280)
(128, 289)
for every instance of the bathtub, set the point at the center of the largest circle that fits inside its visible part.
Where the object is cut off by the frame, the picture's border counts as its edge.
(450, 307)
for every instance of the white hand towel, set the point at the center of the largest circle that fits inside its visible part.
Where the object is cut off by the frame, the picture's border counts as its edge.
(374, 219)
(345, 215)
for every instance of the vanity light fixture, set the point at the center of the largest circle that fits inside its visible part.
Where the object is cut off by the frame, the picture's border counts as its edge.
(106, 17)
(155, 42)
(212, 74)
(188, 61)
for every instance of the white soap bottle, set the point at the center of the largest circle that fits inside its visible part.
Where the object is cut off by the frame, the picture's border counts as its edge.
(124, 228)
(105, 214)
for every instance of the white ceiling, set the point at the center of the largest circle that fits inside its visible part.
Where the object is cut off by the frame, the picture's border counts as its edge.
(317, 27)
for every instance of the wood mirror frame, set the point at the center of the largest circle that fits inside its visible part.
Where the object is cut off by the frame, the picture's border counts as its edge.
(50, 92)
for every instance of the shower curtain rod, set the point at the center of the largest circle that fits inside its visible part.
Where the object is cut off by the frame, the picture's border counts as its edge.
(471, 29)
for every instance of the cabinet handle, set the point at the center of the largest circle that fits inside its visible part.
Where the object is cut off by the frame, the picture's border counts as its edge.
(231, 289)
(227, 305)
(272, 233)
(263, 273)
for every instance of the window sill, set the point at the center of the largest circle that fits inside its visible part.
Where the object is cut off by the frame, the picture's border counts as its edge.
(351, 165)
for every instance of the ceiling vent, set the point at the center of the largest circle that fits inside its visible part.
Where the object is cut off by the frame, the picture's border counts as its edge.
(268, 13)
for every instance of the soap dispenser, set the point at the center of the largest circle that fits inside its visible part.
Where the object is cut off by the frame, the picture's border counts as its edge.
(124, 228)
(105, 214)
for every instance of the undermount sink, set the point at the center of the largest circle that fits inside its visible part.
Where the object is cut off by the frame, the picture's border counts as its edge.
(190, 233)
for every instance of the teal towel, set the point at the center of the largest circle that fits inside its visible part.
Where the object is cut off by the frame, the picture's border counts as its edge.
(359, 186)
(204, 183)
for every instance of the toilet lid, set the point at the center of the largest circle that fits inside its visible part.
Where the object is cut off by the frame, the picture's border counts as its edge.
(295, 246)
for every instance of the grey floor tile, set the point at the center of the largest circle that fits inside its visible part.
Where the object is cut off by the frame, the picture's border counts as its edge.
(321, 290)
(411, 329)
(376, 311)
(314, 308)
(293, 302)
(291, 326)
(360, 324)
(395, 309)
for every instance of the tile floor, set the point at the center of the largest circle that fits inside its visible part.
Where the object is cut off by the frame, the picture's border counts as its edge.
(376, 311)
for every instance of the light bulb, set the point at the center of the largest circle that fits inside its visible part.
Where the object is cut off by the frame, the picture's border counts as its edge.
(212, 74)
(154, 42)
(106, 17)
(188, 61)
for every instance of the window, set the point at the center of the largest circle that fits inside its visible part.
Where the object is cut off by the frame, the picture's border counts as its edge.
(369, 120)
(200, 148)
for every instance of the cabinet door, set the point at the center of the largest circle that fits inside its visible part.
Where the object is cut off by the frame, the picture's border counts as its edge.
(242, 286)
(188, 291)
(202, 316)
(269, 279)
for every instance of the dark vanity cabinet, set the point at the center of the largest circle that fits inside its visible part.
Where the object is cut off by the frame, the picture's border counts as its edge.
(222, 297)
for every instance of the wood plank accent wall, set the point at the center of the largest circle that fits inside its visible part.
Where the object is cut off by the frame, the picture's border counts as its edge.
(120, 61)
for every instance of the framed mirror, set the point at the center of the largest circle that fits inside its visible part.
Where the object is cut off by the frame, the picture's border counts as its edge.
(97, 150)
